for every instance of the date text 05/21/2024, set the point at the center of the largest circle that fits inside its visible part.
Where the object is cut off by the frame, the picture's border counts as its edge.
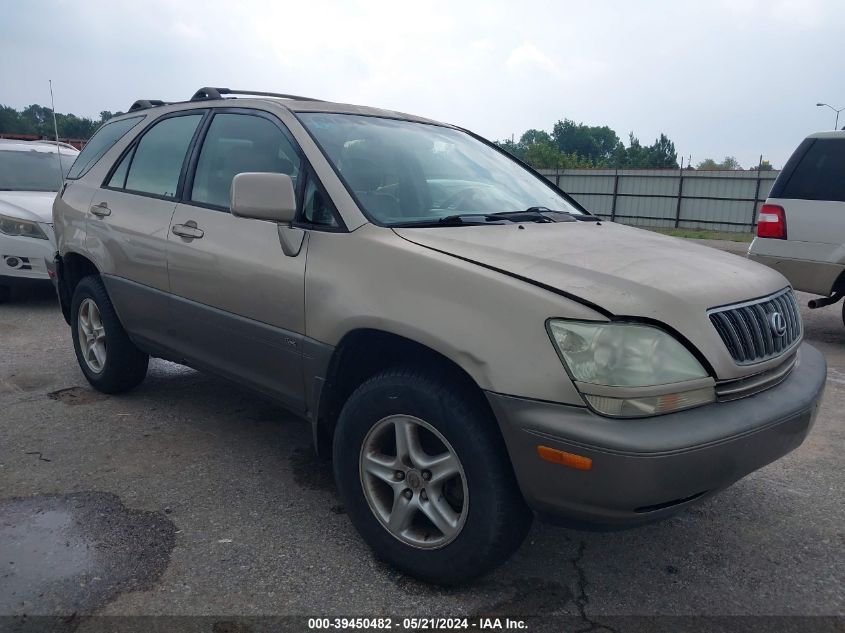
(416, 624)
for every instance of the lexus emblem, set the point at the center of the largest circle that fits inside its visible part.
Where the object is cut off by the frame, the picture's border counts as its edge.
(777, 323)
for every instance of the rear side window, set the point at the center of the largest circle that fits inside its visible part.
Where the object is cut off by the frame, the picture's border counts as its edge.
(237, 143)
(118, 177)
(820, 174)
(102, 141)
(157, 160)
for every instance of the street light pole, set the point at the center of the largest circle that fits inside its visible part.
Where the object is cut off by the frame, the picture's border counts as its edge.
(837, 110)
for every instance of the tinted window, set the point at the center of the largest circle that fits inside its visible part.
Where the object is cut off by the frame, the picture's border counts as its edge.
(100, 143)
(118, 178)
(821, 173)
(317, 208)
(237, 143)
(32, 170)
(159, 156)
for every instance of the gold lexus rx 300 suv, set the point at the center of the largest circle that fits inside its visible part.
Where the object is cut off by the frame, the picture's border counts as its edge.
(470, 346)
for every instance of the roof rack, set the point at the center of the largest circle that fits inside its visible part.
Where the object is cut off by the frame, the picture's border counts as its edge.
(143, 104)
(207, 93)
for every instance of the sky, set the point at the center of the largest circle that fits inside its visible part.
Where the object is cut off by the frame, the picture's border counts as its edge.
(719, 77)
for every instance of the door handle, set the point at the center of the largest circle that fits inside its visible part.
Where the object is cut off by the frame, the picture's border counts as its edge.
(188, 230)
(101, 210)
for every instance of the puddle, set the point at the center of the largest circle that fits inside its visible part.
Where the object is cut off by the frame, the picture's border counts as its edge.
(71, 554)
(76, 395)
(41, 546)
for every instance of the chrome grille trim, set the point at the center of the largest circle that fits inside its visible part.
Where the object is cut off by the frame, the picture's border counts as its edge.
(749, 385)
(746, 331)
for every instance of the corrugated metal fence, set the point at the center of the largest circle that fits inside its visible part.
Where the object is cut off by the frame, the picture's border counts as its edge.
(663, 198)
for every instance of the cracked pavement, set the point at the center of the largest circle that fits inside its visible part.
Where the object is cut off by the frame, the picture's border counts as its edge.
(258, 529)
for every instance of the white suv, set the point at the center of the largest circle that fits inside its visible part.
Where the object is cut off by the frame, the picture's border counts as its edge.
(31, 172)
(801, 228)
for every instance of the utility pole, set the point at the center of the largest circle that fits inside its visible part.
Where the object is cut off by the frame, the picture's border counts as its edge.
(837, 110)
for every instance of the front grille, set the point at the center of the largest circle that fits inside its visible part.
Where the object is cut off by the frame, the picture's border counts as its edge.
(749, 329)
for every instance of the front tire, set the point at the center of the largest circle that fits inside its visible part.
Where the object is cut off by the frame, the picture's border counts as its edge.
(423, 472)
(109, 360)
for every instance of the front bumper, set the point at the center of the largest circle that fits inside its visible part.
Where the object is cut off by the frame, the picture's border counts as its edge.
(646, 469)
(24, 258)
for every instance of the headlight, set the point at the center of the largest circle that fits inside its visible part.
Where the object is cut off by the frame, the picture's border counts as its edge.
(630, 370)
(22, 228)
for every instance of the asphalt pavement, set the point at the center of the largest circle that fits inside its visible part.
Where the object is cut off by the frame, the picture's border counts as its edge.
(191, 496)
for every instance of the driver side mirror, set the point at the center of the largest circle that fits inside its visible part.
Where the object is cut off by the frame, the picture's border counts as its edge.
(263, 196)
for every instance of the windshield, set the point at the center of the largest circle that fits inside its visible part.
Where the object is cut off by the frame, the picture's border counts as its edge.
(403, 172)
(32, 170)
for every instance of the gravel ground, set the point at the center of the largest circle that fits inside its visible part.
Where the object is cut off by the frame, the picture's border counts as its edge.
(199, 498)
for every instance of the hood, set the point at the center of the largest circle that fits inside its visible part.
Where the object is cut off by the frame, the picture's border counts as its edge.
(616, 269)
(28, 205)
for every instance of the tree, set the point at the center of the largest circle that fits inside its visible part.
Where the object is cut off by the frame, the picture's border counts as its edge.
(600, 146)
(543, 156)
(594, 143)
(573, 144)
(764, 166)
(9, 120)
(659, 155)
(633, 156)
(538, 149)
(105, 115)
(533, 137)
(728, 163)
(662, 153)
(38, 120)
(514, 149)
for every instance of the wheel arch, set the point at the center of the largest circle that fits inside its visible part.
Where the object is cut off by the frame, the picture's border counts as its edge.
(361, 354)
(71, 268)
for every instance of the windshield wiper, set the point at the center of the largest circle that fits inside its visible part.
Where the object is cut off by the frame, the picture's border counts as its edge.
(458, 219)
(531, 214)
(468, 218)
(539, 215)
(585, 216)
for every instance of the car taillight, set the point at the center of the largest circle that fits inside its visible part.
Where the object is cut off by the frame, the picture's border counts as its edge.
(771, 222)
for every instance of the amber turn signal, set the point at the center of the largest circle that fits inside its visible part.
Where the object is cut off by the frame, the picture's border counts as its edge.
(578, 462)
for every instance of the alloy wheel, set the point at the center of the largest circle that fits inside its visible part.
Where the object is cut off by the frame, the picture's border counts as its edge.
(414, 481)
(92, 335)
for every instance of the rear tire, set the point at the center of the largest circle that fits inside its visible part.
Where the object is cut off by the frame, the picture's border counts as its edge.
(459, 459)
(109, 360)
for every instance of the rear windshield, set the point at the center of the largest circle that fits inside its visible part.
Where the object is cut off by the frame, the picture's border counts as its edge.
(818, 174)
(33, 170)
(102, 141)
